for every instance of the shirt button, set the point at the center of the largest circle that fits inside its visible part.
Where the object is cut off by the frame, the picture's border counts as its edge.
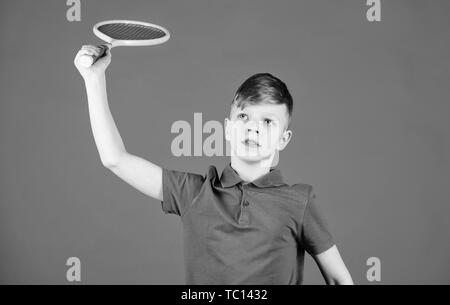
(246, 203)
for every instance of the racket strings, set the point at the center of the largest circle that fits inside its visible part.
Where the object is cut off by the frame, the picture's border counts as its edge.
(127, 31)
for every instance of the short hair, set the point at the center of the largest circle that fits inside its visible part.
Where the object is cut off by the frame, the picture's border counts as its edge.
(263, 88)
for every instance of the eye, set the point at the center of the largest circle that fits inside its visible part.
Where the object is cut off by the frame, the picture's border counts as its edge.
(242, 116)
(268, 122)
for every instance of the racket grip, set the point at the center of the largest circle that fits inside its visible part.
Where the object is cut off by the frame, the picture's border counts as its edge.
(88, 60)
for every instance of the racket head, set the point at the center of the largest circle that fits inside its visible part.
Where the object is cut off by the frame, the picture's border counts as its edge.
(131, 33)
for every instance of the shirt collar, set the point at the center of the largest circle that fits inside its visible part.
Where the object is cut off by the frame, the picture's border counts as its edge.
(230, 178)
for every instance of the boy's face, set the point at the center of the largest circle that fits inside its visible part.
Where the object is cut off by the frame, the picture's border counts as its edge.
(257, 132)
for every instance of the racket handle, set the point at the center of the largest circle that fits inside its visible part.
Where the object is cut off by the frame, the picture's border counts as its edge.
(88, 60)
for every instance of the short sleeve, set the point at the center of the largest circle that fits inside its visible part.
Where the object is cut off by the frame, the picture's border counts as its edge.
(316, 237)
(179, 190)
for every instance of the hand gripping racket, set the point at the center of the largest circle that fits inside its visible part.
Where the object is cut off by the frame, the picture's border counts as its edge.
(125, 33)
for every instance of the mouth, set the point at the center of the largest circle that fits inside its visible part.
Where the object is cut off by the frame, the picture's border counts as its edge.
(251, 143)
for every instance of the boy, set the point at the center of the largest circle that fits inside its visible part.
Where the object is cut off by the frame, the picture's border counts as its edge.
(245, 226)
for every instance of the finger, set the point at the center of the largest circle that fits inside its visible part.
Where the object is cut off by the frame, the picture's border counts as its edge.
(87, 47)
(86, 52)
(99, 51)
(94, 49)
(91, 48)
(83, 52)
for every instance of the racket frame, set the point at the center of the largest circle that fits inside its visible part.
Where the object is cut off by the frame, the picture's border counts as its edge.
(111, 42)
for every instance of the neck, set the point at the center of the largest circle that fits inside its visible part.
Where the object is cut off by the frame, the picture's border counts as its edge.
(249, 171)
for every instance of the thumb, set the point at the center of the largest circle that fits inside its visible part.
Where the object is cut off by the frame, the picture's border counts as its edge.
(106, 57)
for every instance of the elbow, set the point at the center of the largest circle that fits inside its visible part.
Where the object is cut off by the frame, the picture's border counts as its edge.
(109, 163)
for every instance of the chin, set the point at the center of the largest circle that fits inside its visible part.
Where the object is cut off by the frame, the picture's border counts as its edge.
(252, 157)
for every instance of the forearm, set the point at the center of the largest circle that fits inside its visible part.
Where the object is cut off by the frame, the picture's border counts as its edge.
(106, 135)
(344, 279)
(332, 267)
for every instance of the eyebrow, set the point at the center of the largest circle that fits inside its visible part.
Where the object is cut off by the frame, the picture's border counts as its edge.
(271, 116)
(264, 115)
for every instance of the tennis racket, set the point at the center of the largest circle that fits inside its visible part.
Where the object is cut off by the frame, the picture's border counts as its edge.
(125, 33)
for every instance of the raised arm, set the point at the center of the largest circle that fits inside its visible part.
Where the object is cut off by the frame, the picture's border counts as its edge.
(139, 173)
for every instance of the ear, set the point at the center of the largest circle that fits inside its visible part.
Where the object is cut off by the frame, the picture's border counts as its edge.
(285, 138)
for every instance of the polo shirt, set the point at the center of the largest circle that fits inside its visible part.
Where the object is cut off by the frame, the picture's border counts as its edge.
(237, 233)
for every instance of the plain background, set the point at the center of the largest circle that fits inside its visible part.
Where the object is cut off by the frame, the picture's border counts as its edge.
(371, 130)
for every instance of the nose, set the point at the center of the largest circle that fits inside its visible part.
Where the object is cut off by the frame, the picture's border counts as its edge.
(252, 127)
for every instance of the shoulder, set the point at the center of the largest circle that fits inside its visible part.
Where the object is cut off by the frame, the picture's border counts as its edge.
(303, 189)
(185, 176)
(301, 192)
